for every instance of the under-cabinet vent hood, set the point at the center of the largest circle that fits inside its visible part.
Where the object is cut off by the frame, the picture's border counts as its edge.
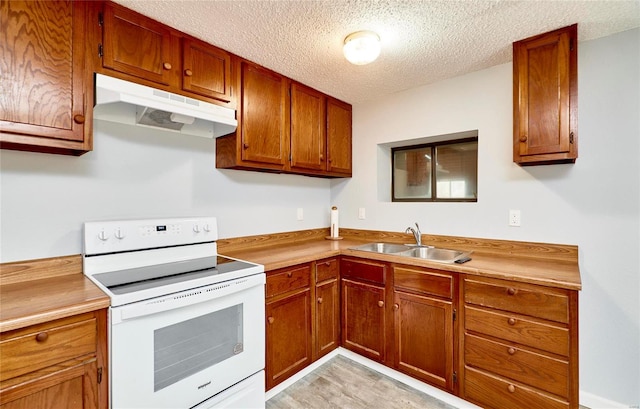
(134, 104)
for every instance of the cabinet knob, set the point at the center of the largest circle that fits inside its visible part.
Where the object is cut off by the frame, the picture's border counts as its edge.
(396, 306)
(329, 160)
(42, 336)
(523, 138)
(79, 119)
(319, 300)
(321, 157)
(188, 72)
(511, 388)
(511, 321)
(511, 351)
(271, 319)
(511, 291)
(290, 274)
(380, 304)
(245, 145)
(167, 66)
(326, 263)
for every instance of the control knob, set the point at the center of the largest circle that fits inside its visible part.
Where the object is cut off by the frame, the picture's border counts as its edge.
(196, 228)
(206, 228)
(103, 235)
(119, 234)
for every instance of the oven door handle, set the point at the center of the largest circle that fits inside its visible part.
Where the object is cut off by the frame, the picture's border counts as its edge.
(187, 298)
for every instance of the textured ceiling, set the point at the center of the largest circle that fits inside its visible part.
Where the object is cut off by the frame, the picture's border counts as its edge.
(423, 41)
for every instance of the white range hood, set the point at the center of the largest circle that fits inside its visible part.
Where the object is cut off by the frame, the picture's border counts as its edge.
(134, 104)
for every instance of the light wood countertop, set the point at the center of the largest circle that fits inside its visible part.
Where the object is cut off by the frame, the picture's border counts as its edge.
(37, 291)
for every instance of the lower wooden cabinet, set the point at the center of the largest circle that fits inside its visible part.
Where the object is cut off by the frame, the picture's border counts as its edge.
(424, 316)
(59, 364)
(302, 317)
(364, 319)
(520, 345)
(327, 313)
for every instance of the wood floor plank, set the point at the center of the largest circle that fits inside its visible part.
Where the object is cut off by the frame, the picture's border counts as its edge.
(344, 384)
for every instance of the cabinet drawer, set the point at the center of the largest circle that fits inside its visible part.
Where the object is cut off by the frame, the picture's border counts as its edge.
(525, 299)
(423, 281)
(363, 271)
(494, 392)
(508, 360)
(517, 328)
(327, 269)
(289, 279)
(46, 345)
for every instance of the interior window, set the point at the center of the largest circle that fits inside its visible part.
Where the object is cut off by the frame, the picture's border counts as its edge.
(442, 171)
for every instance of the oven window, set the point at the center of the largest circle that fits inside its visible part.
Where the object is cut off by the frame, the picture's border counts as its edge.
(182, 349)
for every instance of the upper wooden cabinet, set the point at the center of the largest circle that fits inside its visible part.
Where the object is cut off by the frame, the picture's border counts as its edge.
(545, 98)
(338, 137)
(206, 70)
(140, 49)
(45, 87)
(137, 45)
(285, 126)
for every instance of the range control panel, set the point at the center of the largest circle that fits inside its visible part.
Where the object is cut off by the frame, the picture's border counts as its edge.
(127, 235)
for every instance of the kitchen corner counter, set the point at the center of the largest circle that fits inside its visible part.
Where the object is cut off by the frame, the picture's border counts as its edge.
(549, 265)
(38, 291)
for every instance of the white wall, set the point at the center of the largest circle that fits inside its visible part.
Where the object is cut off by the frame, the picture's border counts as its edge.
(46, 198)
(594, 203)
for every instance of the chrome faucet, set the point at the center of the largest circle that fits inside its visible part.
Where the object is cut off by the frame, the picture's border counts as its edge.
(416, 234)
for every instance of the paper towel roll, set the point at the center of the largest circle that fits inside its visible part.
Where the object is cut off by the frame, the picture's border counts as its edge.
(334, 222)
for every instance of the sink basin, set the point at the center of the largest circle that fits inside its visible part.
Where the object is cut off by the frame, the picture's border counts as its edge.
(388, 248)
(409, 250)
(435, 254)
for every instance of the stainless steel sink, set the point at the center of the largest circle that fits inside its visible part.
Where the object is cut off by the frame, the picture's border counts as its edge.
(435, 254)
(408, 250)
(387, 248)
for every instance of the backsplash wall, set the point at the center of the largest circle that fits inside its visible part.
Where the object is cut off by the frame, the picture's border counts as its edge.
(142, 173)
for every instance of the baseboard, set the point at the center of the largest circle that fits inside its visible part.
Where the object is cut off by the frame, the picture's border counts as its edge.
(592, 401)
(400, 377)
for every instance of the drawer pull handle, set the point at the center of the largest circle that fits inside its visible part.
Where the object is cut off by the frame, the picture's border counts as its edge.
(319, 300)
(512, 291)
(511, 388)
(42, 336)
(289, 274)
(271, 319)
(511, 351)
(511, 321)
(380, 304)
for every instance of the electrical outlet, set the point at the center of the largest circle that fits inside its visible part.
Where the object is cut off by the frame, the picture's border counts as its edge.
(361, 213)
(514, 218)
(300, 214)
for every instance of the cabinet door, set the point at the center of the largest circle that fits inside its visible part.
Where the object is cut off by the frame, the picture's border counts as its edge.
(338, 137)
(327, 317)
(68, 387)
(137, 45)
(424, 338)
(263, 116)
(206, 70)
(545, 103)
(307, 128)
(42, 101)
(288, 340)
(363, 319)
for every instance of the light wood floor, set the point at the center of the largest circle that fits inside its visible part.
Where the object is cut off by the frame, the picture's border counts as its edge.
(344, 384)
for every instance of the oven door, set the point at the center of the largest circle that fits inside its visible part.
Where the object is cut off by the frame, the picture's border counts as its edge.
(179, 350)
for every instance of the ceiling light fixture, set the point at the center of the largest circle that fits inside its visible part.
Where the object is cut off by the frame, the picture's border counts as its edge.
(361, 47)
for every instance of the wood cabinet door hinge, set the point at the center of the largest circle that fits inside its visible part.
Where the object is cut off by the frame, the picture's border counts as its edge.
(571, 44)
(455, 314)
(100, 19)
(455, 377)
(571, 137)
(100, 52)
(100, 375)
